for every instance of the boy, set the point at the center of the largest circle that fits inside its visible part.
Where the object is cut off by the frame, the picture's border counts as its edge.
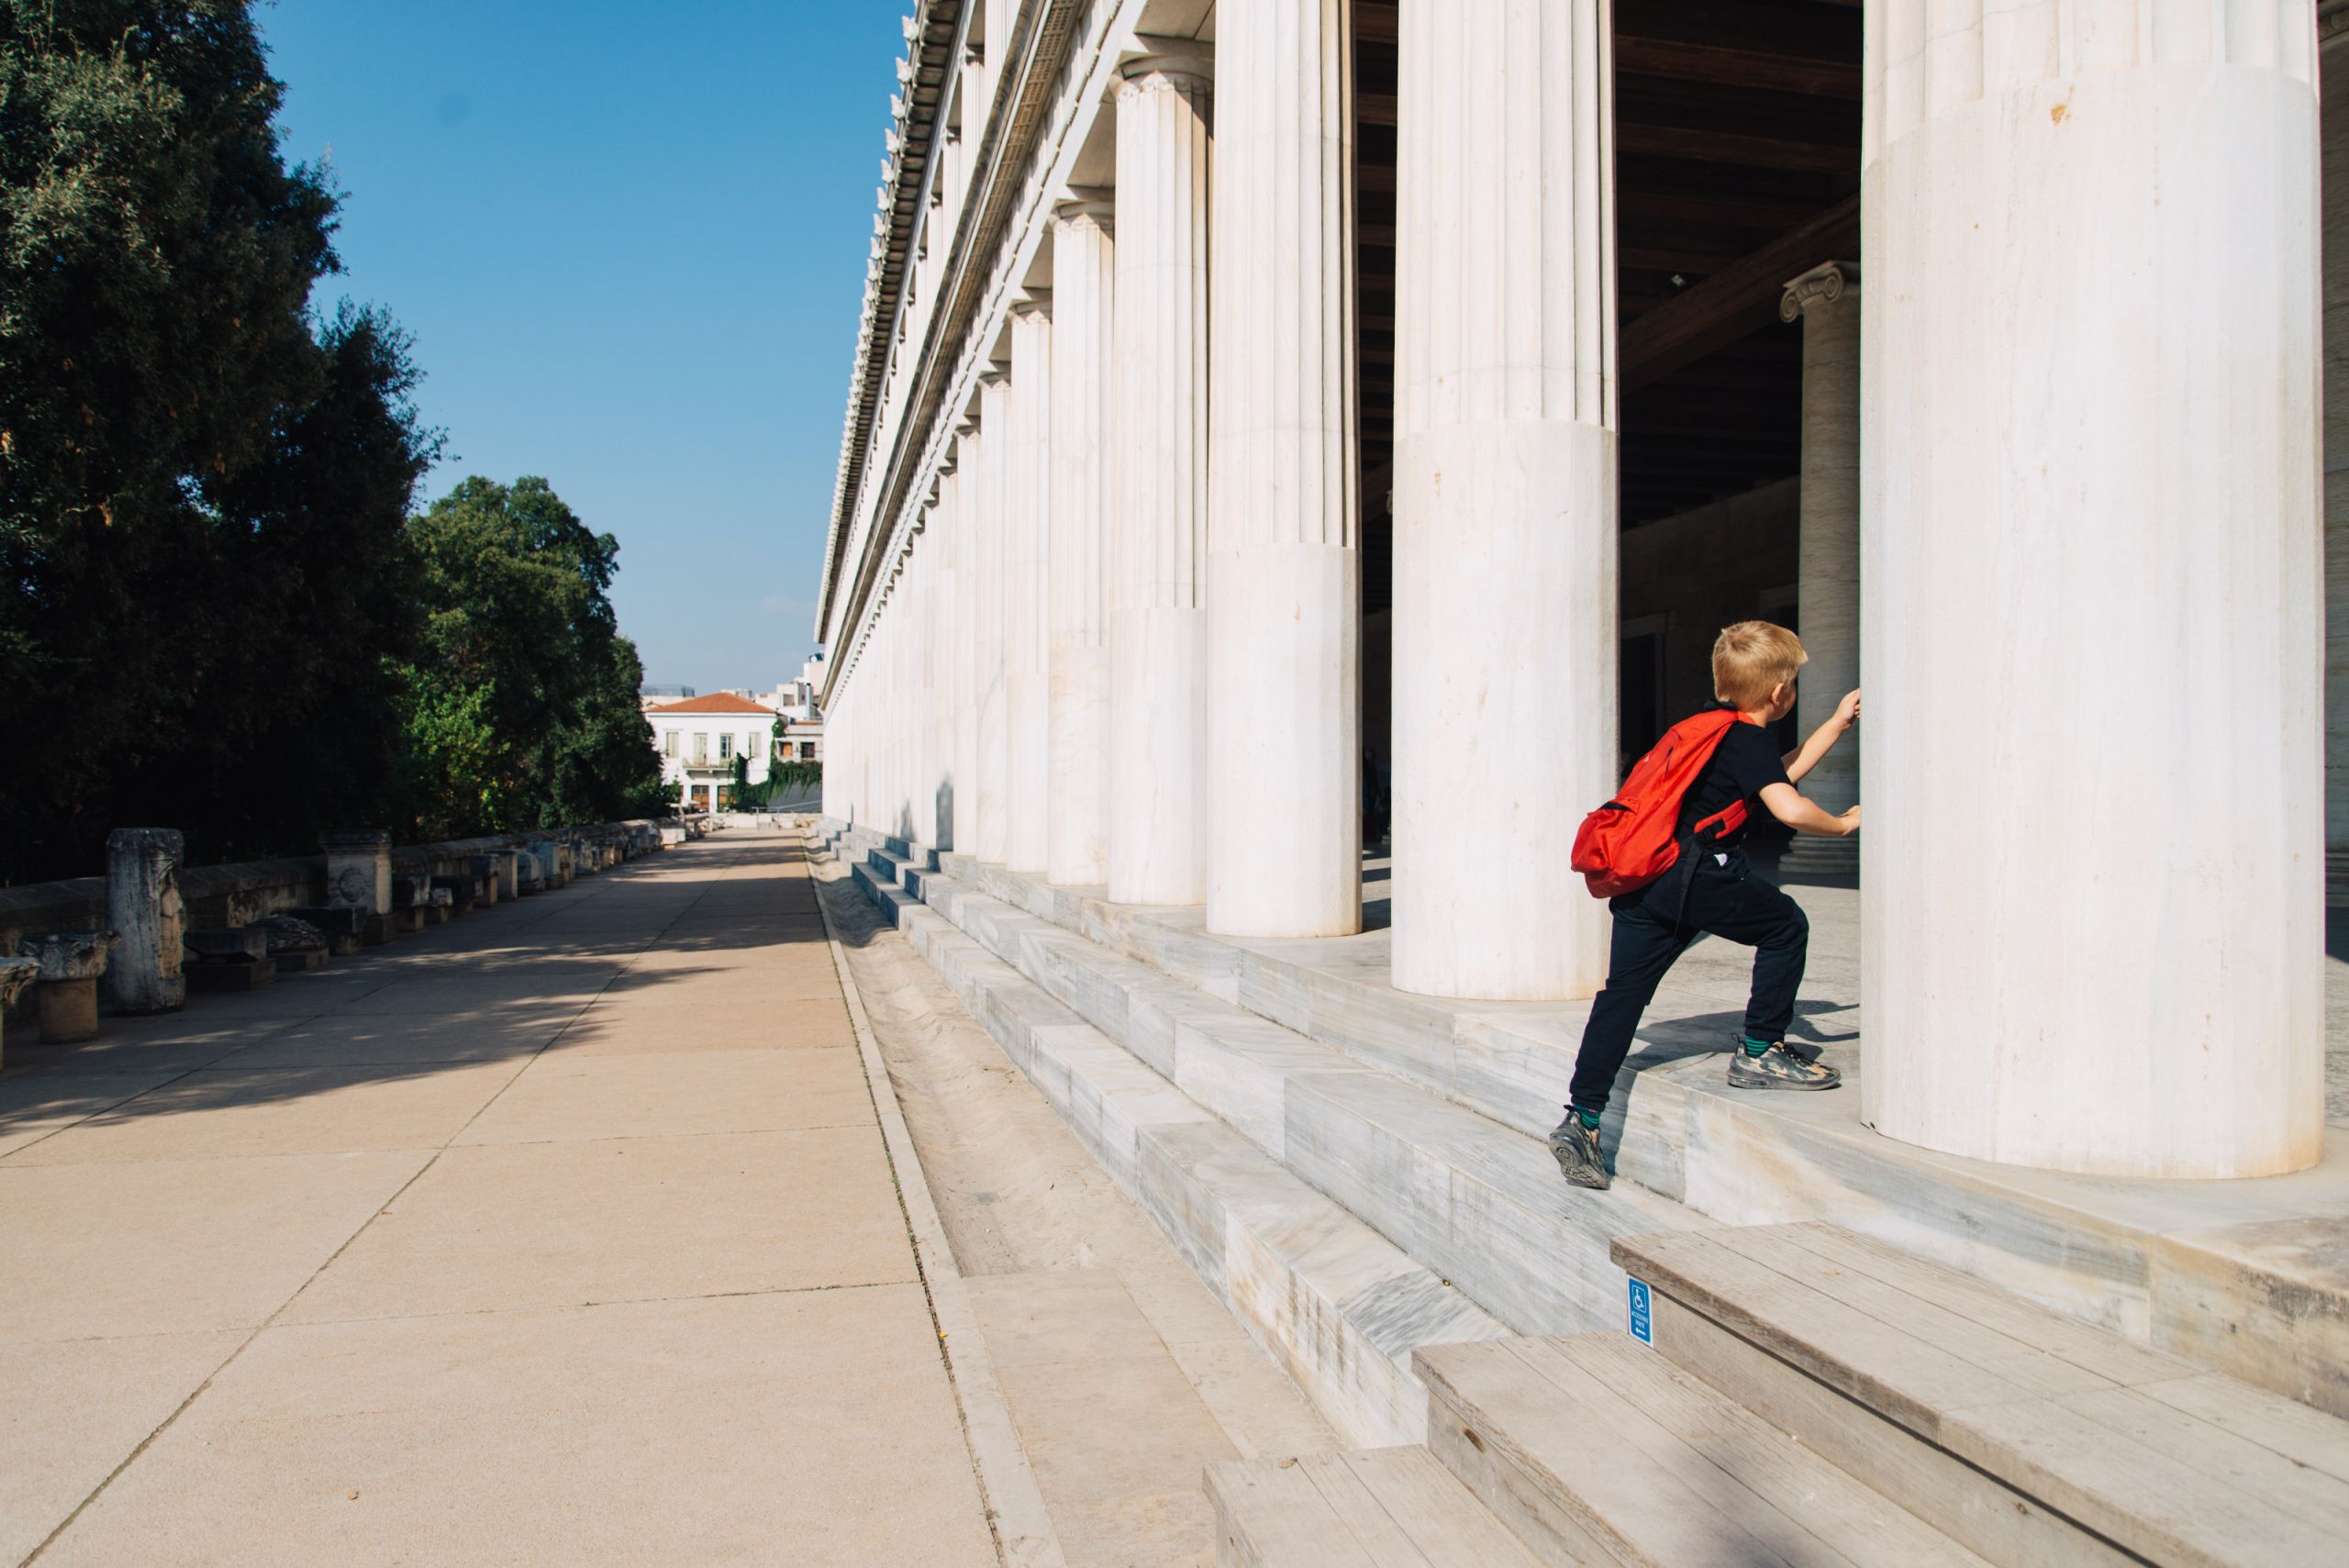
(1712, 889)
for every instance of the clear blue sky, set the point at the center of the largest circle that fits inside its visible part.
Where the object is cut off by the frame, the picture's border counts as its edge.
(629, 240)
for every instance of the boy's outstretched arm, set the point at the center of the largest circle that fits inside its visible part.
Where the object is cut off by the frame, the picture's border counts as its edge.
(1805, 757)
(1799, 812)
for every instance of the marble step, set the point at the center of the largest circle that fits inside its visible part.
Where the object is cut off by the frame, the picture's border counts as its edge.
(1337, 1305)
(1593, 1448)
(2246, 1277)
(1481, 1205)
(1382, 1508)
(2031, 1437)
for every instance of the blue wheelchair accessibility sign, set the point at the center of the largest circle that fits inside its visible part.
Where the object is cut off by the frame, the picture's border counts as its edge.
(1642, 1319)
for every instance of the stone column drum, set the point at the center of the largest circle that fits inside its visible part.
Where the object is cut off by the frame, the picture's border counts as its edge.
(1157, 827)
(1826, 300)
(994, 748)
(1084, 258)
(1284, 566)
(947, 534)
(16, 973)
(147, 914)
(2094, 903)
(962, 684)
(1027, 555)
(938, 715)
(2335, 100)
(1505, 494)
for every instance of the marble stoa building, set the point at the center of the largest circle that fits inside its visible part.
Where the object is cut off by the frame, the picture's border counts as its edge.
(1282, 430)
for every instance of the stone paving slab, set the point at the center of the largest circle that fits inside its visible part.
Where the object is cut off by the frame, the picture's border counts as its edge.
(765, 1429)
(678, 1094)
(161, 1246)
(500, 1225)
(71, 1410)
(539, 1279)
(226, 1112)
(1115, 1433)
(816, 1021)
(399, 1040)
(34, 1105)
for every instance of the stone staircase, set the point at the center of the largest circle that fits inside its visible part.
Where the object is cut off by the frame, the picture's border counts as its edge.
(1414, 1262)
(1813, 1399)
(1340, 1208)
(2248, 1277)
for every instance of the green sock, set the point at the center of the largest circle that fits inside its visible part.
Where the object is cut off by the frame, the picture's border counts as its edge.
(1589, 1119)
(1758, 1049)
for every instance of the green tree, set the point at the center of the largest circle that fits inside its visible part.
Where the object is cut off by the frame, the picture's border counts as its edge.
(201, 486)
(523, 674)
(603, 766)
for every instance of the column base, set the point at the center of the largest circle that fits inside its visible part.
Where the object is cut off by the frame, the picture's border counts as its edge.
(1283, 770)
(1821, 857)
(1158, 742)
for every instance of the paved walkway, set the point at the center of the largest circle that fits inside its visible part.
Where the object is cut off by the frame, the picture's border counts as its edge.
(564, 1234)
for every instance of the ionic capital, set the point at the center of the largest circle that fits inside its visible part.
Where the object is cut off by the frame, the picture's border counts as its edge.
(1037, 306)
(1823, 284)
(1179, 63)
(1087, 204)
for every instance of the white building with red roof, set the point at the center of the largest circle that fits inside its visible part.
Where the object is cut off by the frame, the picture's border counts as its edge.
(699, 739)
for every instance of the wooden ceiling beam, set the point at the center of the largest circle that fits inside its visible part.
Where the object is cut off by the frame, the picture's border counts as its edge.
(1724, 66)
(1637, 204)
(1735, 300)
(1774, 26)
(1744, 151)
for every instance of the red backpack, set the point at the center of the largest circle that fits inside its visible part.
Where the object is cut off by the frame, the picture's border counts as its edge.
(1635, 837)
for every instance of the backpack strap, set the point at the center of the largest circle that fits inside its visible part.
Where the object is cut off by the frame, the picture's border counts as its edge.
(1697, 843)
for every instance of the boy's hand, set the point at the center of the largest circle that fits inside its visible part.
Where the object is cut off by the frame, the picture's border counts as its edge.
(1850, 820)
(1847, 712)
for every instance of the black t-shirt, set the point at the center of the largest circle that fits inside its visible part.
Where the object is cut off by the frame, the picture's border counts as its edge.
(1746, 763)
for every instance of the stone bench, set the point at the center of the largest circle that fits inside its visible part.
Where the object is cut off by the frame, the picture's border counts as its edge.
(294, 945)
(463, 891)
(2024, 1433)
(343, 928)
(418, 903)
(231, 958)
(68, 965)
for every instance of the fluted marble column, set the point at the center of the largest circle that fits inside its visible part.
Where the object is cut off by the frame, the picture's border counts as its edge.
(1083, 291)
(991, 449)
(962, 645)
(1284, 567)
(2334, 99)
(1505, 494)
(929, 776)
(1157, 830)
(1826, 300)
(1027, 565)
(946, 632)
(2093, 618)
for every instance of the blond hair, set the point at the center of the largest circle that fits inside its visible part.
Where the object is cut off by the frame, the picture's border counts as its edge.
(1751, 658)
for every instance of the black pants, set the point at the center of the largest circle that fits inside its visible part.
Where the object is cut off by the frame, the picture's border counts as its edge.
(1652, 928)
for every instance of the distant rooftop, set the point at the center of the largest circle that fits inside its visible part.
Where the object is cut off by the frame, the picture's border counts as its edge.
(650, 689)
(717, 701)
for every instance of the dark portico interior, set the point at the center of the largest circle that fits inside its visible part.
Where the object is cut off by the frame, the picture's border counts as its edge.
(1737, 158)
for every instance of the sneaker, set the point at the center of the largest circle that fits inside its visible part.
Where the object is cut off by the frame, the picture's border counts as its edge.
(1576, 1148)
(1778, 1068)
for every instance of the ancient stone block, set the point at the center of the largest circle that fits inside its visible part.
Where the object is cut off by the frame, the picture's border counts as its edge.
(343, 927)
(144, 907)
(359, 868)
